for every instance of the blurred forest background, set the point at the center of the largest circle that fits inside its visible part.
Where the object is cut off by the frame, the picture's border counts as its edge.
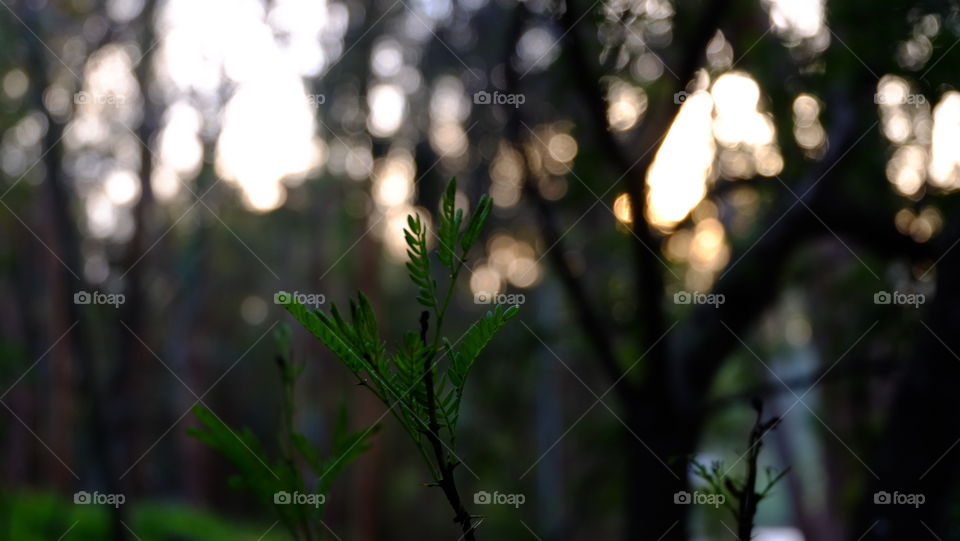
(696, 202)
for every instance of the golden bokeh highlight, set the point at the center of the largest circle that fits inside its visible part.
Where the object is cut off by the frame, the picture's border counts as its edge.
(622, 208)
(628, 104)
(677, 179)
(509, 261)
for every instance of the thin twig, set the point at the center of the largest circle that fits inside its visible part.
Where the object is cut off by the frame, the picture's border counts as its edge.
(446, 482)
(596, 331)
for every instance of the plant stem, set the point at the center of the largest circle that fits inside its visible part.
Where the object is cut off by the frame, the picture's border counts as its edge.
(749, 497)
(441, 312)
(446, 480)
(286, 435)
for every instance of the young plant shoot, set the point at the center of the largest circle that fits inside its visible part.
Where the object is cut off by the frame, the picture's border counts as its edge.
(421, 393)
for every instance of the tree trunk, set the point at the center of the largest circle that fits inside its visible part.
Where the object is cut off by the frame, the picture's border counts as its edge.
(918, 453)
(656, 470)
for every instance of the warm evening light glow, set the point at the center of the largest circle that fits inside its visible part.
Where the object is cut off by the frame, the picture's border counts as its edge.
(797, 18)
(892, 95)
(807, 130)
(906, 168)
(945, 150)
(485, 280)
(506, 173)
(921, 226)
(677, 180)
(267, 137)
(708, 252)
(180, 147)
(746, 135)
(122, 188)
(387, 109)
(737, 121)
(448, 109)
(508, 260)
(728, 119)
(562, 147)
(926, 139)
(390, 230)
(628, 103)
(393, 182)
(622, 209)
(105, 111)
(266, 117)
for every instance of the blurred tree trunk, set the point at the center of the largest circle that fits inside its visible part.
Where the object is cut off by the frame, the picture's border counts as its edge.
(22, 466)
(656, 457)
(370, 478)
(917, 452)
(365, 515)
(187, 357)
(133, 359)
(552, 516)
(67, 245)
(845, 400)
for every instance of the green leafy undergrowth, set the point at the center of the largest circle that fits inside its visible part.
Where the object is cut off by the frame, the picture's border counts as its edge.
(42, 516)
(278, 481)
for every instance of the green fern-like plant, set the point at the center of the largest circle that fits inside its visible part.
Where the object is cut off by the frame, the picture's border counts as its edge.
(298, 500)
(421, 394)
